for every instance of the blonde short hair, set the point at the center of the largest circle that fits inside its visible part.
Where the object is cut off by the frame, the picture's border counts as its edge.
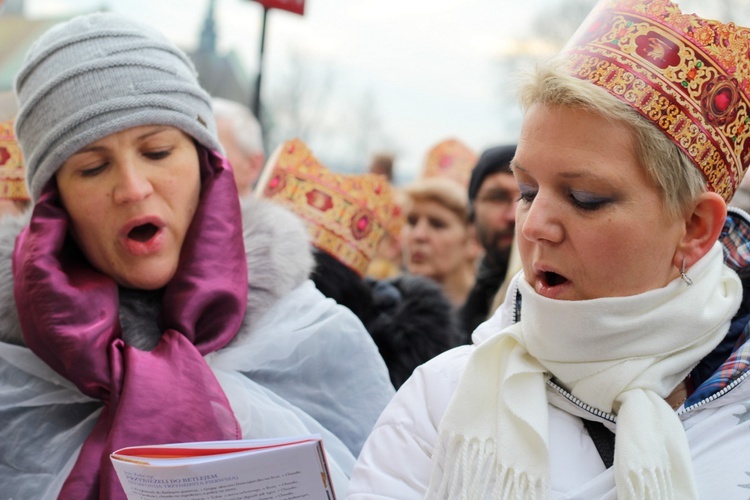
(666, 164)
(443, 191)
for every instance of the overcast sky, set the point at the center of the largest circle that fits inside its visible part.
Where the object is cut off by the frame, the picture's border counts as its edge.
(431, 69)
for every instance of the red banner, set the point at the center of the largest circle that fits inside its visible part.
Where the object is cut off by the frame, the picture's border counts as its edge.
(296, 6)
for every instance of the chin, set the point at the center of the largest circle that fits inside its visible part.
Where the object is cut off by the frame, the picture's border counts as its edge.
(421, 271)
(145, 280)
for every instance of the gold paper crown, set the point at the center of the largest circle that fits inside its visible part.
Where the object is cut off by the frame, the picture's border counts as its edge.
(451, 159)
(395, 224)
(12, 171)
(689, 76)
(347, 215)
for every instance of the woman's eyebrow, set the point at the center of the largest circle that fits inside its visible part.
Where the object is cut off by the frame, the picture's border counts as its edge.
(514, 165)
(89, 149)
(151, 132)
(93, 147)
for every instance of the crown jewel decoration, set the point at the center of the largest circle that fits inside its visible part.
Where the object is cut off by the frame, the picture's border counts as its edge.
(346, 215)
(451, 159)
(12, 171)
(689, 76)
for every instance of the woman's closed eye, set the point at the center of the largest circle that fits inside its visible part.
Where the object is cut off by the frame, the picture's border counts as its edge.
(527, 193)
(95, 170)
(588, 201)
(158, 154)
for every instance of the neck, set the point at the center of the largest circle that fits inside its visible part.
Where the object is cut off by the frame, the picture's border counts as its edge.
(458, 284)
(678, 395)
(625, 329)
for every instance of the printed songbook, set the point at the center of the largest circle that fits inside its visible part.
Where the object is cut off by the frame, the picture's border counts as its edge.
(291, 468)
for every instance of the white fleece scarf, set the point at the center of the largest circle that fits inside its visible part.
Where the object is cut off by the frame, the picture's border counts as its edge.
(622, 355)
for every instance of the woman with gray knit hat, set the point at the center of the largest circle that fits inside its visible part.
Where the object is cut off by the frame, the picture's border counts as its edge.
(140, 303)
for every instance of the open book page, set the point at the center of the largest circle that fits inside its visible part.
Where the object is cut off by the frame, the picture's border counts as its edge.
(286, 469)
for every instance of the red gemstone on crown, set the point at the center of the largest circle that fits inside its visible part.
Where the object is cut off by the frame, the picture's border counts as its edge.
(319, 200)
(360, 225)
(722, 100)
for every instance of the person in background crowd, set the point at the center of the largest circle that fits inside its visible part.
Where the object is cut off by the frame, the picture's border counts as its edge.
(240, 134)
(408, 317)
(14, 197)
(382, 164)
(493, 194)
(619, 364)
(388, 259)
(437, 240)
(142, 304)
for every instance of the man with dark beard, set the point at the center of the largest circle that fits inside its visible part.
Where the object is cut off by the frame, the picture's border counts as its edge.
(492, 197)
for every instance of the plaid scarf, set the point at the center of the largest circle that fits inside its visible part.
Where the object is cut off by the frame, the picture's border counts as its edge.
(736, 240)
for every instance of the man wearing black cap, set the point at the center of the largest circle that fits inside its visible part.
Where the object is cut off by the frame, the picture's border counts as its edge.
(492, 196)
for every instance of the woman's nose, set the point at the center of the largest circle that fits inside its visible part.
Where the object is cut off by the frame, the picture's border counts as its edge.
(419, 230)
(540, 221)
(132, 184)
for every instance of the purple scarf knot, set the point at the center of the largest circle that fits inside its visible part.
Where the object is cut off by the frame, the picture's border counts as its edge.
(70, 319)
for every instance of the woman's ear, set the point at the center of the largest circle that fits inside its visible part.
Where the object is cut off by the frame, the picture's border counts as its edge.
(702, 229)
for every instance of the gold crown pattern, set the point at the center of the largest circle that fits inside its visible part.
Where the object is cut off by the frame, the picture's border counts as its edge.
(12, 171)
(451, 159)
(395, 222)
(689, 76)
(347, 215)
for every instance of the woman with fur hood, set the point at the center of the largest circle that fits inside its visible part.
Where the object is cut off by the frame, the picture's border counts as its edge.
(139, 302)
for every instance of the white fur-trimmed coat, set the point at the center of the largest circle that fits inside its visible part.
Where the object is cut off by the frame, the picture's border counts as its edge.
(278, 258)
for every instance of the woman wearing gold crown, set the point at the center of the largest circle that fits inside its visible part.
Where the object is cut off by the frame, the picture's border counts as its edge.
(618, 366)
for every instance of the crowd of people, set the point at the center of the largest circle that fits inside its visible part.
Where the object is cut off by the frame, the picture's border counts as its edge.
(563, 317)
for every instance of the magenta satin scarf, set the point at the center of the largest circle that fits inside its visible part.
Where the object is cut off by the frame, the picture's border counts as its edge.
(69, 317)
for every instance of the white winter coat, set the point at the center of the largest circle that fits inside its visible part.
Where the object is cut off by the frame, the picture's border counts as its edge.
(395, 461)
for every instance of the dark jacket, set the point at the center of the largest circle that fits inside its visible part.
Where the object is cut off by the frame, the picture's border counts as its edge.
(476, 309)
(409, 317)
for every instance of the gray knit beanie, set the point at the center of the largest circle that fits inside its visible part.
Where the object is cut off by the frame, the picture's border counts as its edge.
(96, 75)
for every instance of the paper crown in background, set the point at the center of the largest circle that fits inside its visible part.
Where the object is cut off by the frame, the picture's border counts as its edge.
(347, 215)
(450, 159)
(689, 76)
(12, 171)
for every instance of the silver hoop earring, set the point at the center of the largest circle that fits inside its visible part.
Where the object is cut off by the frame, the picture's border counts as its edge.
(684, 275)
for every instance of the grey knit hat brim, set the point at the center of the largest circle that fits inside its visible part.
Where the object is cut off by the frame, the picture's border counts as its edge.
(97, 75)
